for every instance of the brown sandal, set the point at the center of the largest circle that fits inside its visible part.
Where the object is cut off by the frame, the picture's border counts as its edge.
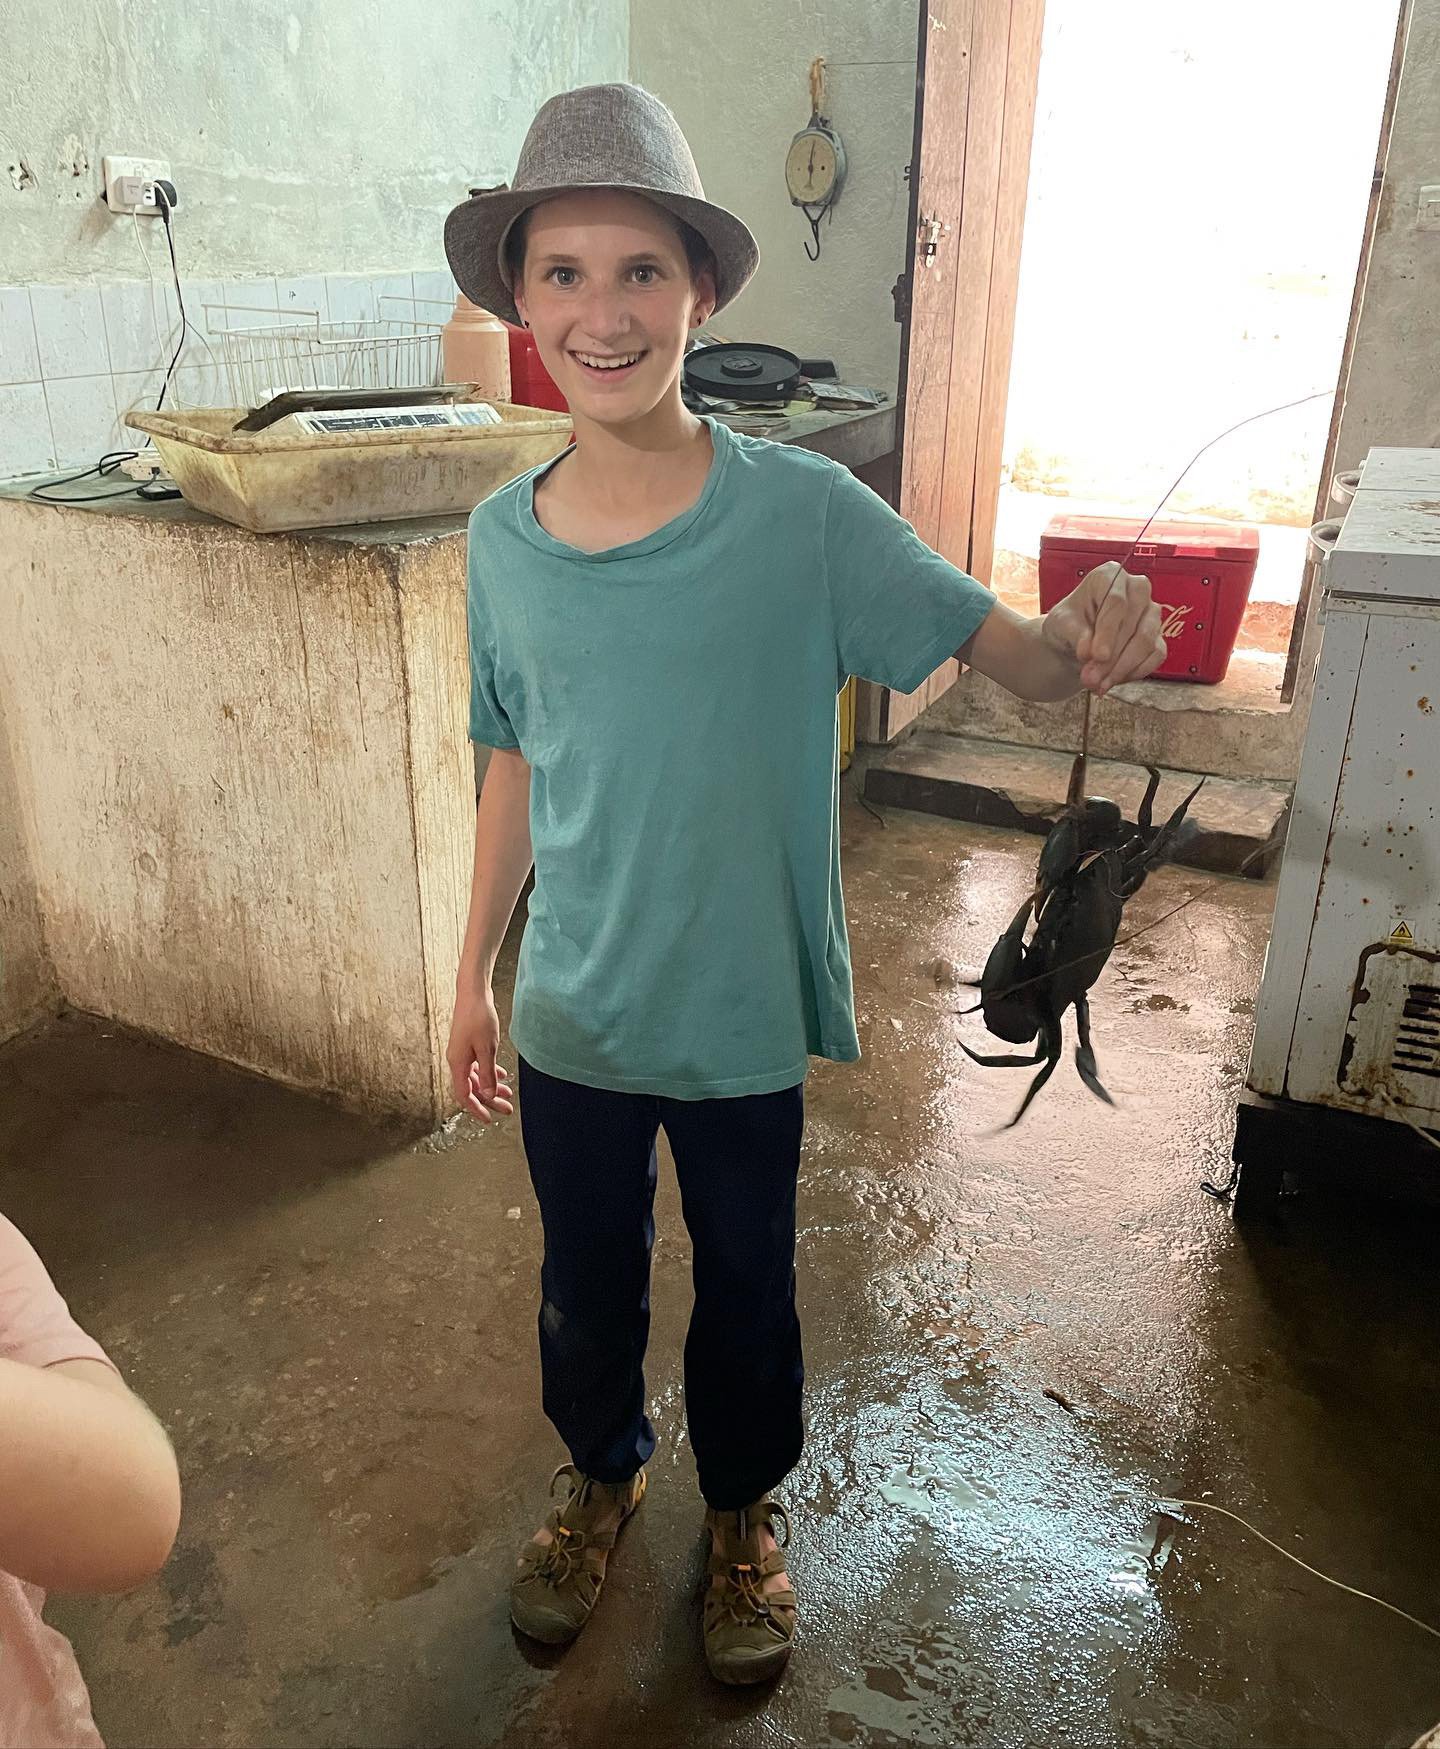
(748, 1631)
(557, 1583)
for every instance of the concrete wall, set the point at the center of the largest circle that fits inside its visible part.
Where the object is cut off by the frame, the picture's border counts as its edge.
(1197, 198)
(28, 991)
(736, 76)
(1393, 392)
(317, 146)
(306, 136)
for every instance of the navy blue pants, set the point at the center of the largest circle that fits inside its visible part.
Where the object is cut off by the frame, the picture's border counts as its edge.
(592, 1162)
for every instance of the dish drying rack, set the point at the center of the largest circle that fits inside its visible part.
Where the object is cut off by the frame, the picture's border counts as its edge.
(302, 350)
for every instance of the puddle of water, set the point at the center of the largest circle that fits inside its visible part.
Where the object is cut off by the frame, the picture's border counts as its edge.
(874, 1711)
(926, 1691)
(1144, 1558)
(940, 1491)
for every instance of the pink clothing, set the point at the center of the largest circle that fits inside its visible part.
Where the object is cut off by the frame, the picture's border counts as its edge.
(43, 1702)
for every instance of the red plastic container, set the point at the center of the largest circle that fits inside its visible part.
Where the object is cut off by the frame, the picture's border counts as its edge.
(531, 385)
(1200, 574)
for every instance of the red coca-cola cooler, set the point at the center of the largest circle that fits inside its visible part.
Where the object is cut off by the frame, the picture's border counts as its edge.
(1200, 575)
(531, 385)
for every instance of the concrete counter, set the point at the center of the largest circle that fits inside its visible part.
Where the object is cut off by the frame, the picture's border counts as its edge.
(243, 786)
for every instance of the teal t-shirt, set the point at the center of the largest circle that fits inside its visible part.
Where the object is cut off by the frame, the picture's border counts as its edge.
(676, 699)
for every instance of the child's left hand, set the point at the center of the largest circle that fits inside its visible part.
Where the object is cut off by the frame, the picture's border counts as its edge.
(1110, 626)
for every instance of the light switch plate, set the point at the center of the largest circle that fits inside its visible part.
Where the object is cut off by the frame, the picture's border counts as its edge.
(1428, 216)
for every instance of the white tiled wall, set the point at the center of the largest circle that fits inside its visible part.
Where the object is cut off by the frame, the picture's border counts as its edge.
(75, 358)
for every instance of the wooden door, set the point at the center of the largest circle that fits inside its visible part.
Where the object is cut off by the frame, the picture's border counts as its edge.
(977, 71)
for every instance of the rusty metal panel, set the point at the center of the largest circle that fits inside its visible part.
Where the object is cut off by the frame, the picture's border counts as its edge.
(1349, 1008)
(1375, 945)
(1392, 1034)
(1298, 890)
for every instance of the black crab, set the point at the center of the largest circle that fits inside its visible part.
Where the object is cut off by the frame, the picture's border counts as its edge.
(1092, 861)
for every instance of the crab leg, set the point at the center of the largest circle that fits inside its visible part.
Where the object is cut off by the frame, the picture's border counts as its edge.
(1085, 1053)
(1050, 1039)
(1159, 847)
(1008, 1061)
(1144, 818)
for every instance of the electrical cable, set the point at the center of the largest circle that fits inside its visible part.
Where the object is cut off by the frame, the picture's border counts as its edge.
(1388, 1098)
(108, 464)
(113, 460)
(185, 329)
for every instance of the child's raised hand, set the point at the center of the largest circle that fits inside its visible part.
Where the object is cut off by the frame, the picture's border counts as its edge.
(1111, 626)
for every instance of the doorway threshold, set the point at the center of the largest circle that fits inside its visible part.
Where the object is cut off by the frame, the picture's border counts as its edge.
(1240, 729)
(1252, 683)
(1239, 826)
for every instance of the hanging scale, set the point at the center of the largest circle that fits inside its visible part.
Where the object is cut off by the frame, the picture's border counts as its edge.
(815, 163)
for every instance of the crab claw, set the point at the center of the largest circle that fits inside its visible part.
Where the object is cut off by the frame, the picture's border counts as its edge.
(1169, 833)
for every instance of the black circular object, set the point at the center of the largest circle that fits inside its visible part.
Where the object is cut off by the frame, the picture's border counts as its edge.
(736, 372)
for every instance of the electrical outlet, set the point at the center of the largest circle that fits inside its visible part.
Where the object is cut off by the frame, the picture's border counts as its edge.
(128, 181)
(1428, 217)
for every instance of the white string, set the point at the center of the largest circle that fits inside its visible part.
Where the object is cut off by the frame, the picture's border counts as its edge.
(1249, 419)
(1366, 1596)
(1405, 1117)
(1145, 527)
(149, 274)
(162, 339)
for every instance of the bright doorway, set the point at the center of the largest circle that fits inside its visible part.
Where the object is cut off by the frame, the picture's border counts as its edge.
(1199, 183)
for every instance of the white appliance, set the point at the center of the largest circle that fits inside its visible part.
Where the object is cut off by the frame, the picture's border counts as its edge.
(1344, 1078)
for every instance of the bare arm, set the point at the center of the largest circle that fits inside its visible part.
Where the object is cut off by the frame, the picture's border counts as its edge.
(1105, 633)
(503, 859)
(1014, 652)
(89, 1491)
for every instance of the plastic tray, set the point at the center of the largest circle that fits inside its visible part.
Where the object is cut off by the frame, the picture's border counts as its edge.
(267, 482)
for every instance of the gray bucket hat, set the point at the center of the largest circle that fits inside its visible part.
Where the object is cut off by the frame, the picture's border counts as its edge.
(601, 136)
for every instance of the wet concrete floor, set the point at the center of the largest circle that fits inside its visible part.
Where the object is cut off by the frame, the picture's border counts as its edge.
(335, 1321)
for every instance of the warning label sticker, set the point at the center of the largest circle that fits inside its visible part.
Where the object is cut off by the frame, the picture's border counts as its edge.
(1402, 936)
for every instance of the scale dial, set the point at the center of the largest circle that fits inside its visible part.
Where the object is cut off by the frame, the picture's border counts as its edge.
(814, 168)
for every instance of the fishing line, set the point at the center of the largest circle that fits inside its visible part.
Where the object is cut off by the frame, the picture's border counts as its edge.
(1250, 419)
(1084, 752)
